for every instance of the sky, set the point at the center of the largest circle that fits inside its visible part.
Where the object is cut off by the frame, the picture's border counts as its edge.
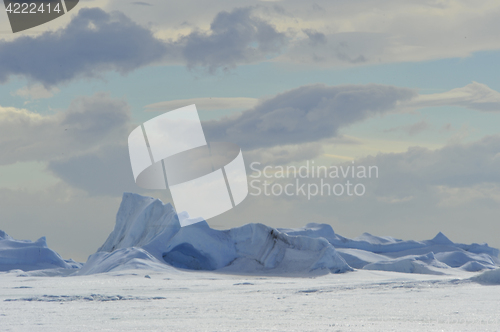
(410, 87)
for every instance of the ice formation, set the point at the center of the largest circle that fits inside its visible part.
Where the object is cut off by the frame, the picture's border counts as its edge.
(28, 255)
(147, 235)
(146, 223)
(389, 254)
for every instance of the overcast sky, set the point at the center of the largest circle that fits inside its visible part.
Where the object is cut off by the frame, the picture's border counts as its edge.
(408, 86)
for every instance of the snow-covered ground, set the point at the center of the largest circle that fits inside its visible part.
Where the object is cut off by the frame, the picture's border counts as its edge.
(206, 301)
(151, 274)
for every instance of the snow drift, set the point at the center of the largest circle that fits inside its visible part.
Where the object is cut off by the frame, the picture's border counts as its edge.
(491, 277)
(120, 260)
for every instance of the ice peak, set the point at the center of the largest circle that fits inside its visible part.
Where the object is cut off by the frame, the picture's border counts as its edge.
(440, 238)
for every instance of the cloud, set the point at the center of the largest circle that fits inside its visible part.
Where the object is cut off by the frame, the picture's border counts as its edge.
(95, 42)
(297, 125)
(333, 33)
(294, 153)
(306, 114)
(36, 91)
(474, 96)
(355, 33)
(315, 37)
(141, 3)
(455, 165)
(343, 48)
(289, 127)
(308, 119)
(88, 122)
(205, 104)
(282, 155)
(316, 112)
(102, 172)
(92, 43)
(85, 146)
(411, 130)
(235, 37)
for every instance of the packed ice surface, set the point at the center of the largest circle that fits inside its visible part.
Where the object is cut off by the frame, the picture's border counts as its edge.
(28, 255)
(148, 236)
(144, 300)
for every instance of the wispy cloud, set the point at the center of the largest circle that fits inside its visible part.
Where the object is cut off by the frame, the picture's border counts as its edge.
(474, 96)
(205, 104)
(141, 3)
(36, 91)
(412, 129)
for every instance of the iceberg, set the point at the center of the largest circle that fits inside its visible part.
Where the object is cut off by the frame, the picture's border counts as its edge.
(149, 225)
(148, 236)
(422, 264)
(28, 256)
(390, 254)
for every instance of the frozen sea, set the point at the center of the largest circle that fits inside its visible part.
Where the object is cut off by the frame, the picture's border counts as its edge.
(141, 300)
